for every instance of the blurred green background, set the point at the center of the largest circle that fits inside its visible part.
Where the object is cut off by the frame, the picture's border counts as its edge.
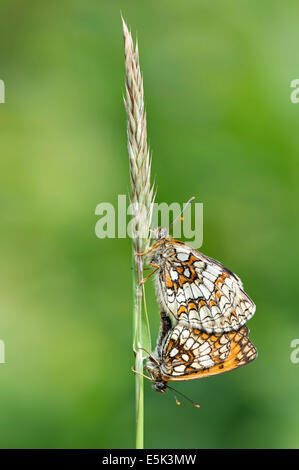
(222, 127)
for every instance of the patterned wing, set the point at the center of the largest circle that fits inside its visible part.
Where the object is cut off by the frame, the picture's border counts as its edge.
(201, 292)
(189, 353)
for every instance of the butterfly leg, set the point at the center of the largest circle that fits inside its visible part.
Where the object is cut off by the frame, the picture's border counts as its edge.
(148, 251)
(139, 373)
(150, 274)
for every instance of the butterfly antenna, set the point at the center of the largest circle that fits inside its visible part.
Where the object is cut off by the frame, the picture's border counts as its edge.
(186, 205)
(176, 400)
(185, 396)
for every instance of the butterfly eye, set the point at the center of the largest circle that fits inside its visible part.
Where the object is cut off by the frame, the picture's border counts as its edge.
(161, 233)
(159, 387)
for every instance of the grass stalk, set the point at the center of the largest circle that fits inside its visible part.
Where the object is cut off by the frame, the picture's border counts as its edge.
(142, 200)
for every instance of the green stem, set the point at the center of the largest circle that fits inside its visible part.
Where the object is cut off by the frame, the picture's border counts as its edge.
(139, 407)
(138, 290)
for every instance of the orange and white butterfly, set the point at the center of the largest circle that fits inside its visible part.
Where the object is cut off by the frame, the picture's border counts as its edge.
(185, 353)
(197, 290)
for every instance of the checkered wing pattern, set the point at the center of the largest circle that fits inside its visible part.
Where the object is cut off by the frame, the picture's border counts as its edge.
(200, 291)
(189, 353)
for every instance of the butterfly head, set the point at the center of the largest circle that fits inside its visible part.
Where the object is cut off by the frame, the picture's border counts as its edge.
(160, 233)
(160, 236)
(159, 387)
(153, 368)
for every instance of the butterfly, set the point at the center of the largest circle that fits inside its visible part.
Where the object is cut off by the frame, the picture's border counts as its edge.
(197, 290)
(186, 353)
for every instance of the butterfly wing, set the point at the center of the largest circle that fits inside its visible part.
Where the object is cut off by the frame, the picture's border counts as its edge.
(201, 291)
(189, 353)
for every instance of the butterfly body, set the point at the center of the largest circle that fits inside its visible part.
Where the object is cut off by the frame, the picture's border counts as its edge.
(197, 290)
